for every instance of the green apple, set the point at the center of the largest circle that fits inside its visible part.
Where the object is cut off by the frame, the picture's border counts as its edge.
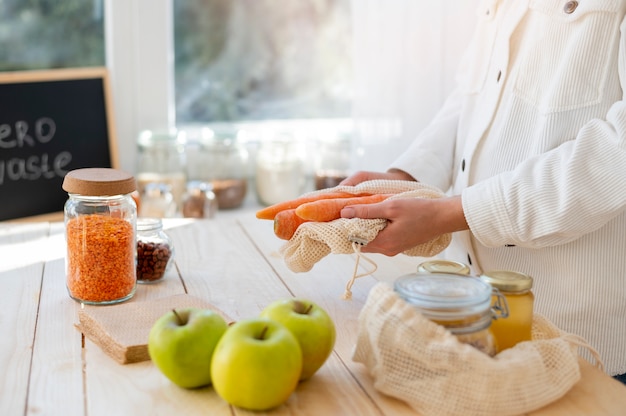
(181, 345)
(312, 326)
(256, 364)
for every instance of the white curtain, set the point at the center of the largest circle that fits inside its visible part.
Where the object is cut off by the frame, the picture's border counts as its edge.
(405, 56)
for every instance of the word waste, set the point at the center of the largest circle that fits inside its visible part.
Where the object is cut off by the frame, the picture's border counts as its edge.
(35, 166)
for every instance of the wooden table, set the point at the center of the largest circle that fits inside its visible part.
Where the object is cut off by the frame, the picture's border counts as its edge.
(48, 368)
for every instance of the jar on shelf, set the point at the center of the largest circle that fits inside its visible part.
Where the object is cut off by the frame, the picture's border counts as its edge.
(199, 201)
(279, 170)
(100, 232)
(516, 288)
(443, 266)
(161, 158)
(332, 164)
(461, 304)
(155, 251)
(157, 201)
(217, 157)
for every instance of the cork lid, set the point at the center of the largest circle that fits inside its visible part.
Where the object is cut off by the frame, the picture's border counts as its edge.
(99, 182)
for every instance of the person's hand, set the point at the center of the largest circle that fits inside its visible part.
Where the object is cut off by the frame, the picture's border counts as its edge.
(411, 221)
(362, 176)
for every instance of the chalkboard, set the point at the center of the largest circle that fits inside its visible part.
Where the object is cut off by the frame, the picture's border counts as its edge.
(51, 122)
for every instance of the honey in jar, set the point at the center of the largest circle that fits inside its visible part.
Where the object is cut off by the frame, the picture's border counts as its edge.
(516, 288)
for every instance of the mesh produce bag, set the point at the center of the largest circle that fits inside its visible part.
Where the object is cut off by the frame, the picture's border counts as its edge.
(421, 363)
(313, 241)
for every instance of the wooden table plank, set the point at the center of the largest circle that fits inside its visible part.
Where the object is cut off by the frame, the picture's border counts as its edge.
(57, 350)
(20, 285)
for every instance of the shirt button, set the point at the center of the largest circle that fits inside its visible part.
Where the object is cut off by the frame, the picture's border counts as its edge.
(570, 6)
(499, 75)
(463, 165)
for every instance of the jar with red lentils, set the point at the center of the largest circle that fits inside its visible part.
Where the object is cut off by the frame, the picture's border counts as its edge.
(100, 233)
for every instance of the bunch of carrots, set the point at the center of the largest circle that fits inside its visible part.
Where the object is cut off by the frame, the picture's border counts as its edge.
(323, 207)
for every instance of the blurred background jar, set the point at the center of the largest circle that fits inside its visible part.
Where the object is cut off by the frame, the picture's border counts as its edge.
(157, 201)
(332, 162)
(280, 170)
(200, 200)
(216, 156)
(161, 158)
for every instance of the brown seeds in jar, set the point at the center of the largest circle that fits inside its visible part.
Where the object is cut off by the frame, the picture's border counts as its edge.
(152, 260)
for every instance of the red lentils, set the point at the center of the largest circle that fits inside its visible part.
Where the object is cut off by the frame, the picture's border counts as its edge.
(100, 258)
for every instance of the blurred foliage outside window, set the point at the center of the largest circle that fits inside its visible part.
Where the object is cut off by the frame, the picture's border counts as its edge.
(262, 60)
(234, 59)
(51, 34)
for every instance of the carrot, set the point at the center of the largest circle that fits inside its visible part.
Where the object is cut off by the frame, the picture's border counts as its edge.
(268, 213)
(330, 209)
(286, 223)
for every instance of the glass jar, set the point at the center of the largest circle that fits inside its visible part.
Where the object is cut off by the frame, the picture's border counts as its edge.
(280, 172)
(460, 304)
(443, 266)
(100, 222)
(157, 201)
(155, 251)
(161, 158)
(516, 288)
(199, 200)
(217, 157)
(332, 162)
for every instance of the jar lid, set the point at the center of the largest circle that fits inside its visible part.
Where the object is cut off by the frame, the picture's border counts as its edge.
(199, 187)
(149, 224)
(167, 138)
(98, 182)
(508, 281)
(444, 294)
(157, 189)
(444, 266)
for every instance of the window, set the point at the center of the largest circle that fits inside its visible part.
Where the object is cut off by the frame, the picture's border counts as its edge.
(51, 34)
(262, 59)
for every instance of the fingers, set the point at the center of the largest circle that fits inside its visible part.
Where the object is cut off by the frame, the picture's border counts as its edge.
(366, 211)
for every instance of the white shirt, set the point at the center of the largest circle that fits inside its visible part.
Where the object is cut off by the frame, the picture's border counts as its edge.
(534, 139)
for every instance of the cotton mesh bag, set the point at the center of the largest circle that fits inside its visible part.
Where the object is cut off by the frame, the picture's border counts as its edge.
(423, 364)
(312, 241)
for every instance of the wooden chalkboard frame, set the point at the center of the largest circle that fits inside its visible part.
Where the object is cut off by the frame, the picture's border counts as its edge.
(40, 77)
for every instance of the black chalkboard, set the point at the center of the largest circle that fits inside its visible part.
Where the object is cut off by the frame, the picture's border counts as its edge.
(51, 122)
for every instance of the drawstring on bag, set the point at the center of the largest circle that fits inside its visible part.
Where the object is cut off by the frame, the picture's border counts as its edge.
(357, 243)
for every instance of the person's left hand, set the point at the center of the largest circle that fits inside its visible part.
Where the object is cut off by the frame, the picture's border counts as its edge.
(411, 221)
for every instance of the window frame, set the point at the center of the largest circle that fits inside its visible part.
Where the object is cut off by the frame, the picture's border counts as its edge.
(139, 57)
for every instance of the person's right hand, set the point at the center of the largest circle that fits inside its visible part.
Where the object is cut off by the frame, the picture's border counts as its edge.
(362, 176)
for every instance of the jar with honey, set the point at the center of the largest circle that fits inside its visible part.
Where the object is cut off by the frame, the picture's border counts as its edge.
(460, 304)
(516, 288)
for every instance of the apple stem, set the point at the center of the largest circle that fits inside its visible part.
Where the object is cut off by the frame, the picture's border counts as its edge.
(299, 307)
(178, 317)
(263, 332)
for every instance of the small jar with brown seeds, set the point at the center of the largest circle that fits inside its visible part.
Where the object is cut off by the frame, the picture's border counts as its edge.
(155, 251)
